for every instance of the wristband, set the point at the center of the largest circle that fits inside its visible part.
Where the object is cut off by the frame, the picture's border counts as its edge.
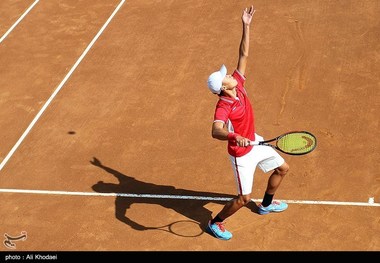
(231, 136)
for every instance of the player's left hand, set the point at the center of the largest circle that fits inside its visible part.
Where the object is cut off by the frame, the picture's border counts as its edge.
(247, 15)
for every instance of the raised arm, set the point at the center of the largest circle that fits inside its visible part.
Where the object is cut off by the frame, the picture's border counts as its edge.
(244, 44)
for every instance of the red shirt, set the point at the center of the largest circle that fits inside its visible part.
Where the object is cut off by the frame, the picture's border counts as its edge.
(237, 113)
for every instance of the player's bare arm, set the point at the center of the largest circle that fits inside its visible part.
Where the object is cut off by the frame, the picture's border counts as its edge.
(244, 43)
(220, 132)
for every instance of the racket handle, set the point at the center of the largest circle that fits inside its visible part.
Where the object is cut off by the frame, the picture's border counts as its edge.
(251, 143)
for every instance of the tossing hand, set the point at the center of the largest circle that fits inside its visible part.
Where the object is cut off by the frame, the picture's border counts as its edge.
(247, 15)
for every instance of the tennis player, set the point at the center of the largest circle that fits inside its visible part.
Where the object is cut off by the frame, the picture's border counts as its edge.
(234, 122)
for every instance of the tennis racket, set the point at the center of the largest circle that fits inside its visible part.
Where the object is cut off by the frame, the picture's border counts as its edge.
(293, 143)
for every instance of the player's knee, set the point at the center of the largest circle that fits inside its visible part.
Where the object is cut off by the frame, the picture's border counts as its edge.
(242, 200)
(246, 199)
(283, 169)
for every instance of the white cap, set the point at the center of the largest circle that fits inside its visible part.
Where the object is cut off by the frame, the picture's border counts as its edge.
(215, 80)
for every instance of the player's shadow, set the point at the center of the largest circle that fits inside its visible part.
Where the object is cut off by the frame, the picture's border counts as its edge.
(191, 207)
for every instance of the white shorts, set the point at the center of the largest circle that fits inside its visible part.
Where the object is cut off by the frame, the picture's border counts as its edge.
(244, 167)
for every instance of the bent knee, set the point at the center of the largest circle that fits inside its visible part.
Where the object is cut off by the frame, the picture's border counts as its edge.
(283, 169)
(245, 199)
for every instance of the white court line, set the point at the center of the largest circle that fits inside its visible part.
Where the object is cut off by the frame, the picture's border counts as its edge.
(58, 88)
(18, 21)
(47, 192)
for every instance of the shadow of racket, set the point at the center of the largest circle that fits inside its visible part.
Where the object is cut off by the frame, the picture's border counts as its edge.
(182, 228)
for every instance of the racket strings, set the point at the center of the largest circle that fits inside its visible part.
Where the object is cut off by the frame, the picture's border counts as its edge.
(297, 143)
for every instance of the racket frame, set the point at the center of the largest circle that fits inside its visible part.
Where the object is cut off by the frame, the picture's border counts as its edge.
(267, 142)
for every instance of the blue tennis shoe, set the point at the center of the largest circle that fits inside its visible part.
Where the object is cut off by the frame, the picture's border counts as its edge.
(275, 206)
(218, 230)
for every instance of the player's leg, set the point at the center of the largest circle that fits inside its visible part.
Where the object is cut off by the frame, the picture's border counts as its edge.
(276, 178)
(243, 169)
(272, 161)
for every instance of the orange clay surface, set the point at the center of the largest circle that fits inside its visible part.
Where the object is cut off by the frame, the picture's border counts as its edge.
(135, 117)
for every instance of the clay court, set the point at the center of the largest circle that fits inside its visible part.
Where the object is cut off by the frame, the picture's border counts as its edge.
(105, 116)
